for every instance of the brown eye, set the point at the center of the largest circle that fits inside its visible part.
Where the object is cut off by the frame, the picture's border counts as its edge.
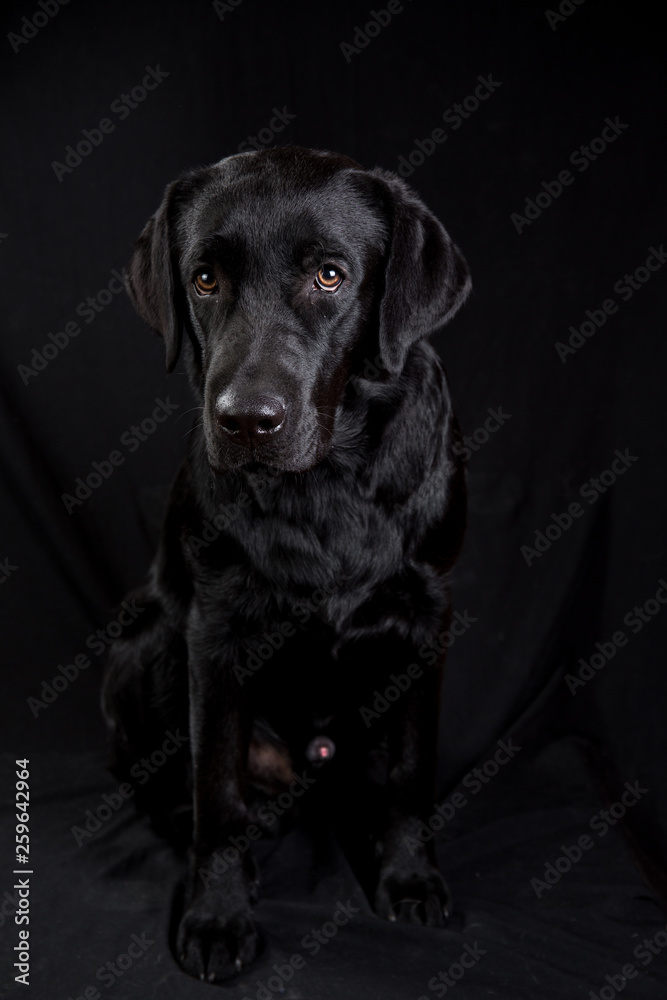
(205, 282)
(328, 278)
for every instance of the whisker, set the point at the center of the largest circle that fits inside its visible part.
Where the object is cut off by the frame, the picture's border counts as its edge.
(191, 429)
(185, 412)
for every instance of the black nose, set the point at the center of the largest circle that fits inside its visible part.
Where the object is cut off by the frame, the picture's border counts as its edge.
(251, 419)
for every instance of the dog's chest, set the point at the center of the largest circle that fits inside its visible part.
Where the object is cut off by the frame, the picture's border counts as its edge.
(331, 534)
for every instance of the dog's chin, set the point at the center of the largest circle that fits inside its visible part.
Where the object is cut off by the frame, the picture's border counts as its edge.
(226, 459)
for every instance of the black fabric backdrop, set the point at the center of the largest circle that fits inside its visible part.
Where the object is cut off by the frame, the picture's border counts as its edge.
(223, 75)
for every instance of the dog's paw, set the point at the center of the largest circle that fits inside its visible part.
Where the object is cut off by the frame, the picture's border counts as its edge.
(213, 946)
(413, 897)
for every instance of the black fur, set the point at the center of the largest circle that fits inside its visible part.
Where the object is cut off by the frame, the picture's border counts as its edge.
(339, 524)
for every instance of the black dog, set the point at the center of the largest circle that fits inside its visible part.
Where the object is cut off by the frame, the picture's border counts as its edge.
(310, 531)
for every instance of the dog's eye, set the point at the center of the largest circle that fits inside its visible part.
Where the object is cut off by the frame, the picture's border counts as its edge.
(328, 278)
(205, 282)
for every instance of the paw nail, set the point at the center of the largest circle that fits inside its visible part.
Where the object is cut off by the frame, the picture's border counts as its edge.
(392, 917)
(238, 964)
(211, 977)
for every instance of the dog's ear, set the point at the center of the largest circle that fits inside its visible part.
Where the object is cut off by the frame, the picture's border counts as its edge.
(426, 276)
(150, 277)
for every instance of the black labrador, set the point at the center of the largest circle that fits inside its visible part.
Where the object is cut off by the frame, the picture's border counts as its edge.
(309, 534)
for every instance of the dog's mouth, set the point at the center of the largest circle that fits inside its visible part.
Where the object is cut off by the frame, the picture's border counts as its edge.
(222, 460)
(264, 426)
(286, 452)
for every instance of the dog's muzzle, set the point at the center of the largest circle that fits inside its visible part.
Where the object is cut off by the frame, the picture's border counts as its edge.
(251, 420)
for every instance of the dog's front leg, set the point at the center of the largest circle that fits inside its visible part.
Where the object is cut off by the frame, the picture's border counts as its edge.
(217, 936)
(410, 887)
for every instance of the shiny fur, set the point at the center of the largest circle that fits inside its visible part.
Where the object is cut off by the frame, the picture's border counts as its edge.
(336, 533)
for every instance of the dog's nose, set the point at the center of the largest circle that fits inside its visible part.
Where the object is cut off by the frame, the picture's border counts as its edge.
(251, 419)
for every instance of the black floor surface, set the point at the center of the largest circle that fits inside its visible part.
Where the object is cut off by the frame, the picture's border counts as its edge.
(597, 927)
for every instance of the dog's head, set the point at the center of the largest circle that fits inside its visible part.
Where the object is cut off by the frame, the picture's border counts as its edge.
(286, 268)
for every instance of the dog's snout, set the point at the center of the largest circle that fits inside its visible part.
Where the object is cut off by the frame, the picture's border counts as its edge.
(248, 420)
